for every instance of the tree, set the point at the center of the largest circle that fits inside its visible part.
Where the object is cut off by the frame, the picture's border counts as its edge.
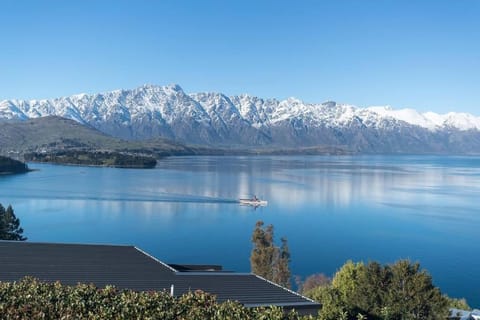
(397, 291)
(313, 281)
(411, 293)
(263, 252)
(346, 279)
(281, 272)
(333, 306)
(10, 225)
(458, 303)
(267, 260)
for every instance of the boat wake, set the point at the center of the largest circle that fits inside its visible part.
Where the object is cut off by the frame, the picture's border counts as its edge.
(175, 198)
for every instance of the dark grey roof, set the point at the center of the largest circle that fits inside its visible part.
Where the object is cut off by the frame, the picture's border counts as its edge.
(128, 267)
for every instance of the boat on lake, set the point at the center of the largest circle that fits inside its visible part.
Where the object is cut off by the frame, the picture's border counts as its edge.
(254, 201)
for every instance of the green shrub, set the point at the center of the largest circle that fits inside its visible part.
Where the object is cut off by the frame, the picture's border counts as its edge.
(398, 291)
(32, 299)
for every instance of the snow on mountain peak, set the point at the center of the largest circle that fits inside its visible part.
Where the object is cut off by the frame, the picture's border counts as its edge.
(293, 101)
(329, 104)
(170, 104)
(78, 96)
(464, 121)
(430, 120)
(410, 116)
(173, 87)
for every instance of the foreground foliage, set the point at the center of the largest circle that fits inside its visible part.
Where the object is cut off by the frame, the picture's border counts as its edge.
(398, 291)
(31, 299)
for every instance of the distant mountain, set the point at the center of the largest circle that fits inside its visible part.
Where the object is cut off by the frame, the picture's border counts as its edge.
(54, 133)
(214, 119)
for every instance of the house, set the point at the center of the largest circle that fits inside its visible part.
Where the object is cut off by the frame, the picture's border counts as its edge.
(457, 314)
(128, 267)
(475, 314)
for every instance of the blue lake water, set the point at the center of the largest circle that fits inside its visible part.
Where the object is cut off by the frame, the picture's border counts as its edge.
(331, 209)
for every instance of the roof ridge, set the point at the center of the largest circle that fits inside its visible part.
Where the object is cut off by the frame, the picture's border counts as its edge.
(286, 289)
(152, 257)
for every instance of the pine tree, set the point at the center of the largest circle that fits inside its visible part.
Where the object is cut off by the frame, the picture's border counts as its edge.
(10, 225)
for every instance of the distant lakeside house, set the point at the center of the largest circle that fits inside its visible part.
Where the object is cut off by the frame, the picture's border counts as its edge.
(128, 267)
(457, 314)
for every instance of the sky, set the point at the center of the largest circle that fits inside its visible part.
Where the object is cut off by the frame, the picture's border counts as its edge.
(421, 54)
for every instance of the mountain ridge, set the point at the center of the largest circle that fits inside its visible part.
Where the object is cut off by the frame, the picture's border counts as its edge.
(215, 119)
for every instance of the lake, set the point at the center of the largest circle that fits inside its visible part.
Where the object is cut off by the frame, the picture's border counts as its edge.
(331, 209)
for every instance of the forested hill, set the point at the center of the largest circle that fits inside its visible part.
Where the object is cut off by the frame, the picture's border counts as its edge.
(94, 158)
(9, 166)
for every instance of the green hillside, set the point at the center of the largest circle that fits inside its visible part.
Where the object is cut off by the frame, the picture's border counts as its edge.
(53, 134)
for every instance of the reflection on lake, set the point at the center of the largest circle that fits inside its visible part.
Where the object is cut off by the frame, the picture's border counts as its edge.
(330, 208)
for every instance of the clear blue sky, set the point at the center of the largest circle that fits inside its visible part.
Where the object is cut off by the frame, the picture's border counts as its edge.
(423, 54)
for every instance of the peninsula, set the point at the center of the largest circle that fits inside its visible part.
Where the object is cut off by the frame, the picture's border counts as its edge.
(11, 166)
(94, 158)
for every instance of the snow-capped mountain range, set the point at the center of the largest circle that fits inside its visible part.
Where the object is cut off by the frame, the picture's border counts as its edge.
(150, 111)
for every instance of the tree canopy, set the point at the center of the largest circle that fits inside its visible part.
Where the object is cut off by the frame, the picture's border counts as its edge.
(10, 225)
(396, 291)
(268, 260)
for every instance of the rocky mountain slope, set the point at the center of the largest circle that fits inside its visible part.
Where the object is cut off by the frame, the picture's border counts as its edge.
(245, 121)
